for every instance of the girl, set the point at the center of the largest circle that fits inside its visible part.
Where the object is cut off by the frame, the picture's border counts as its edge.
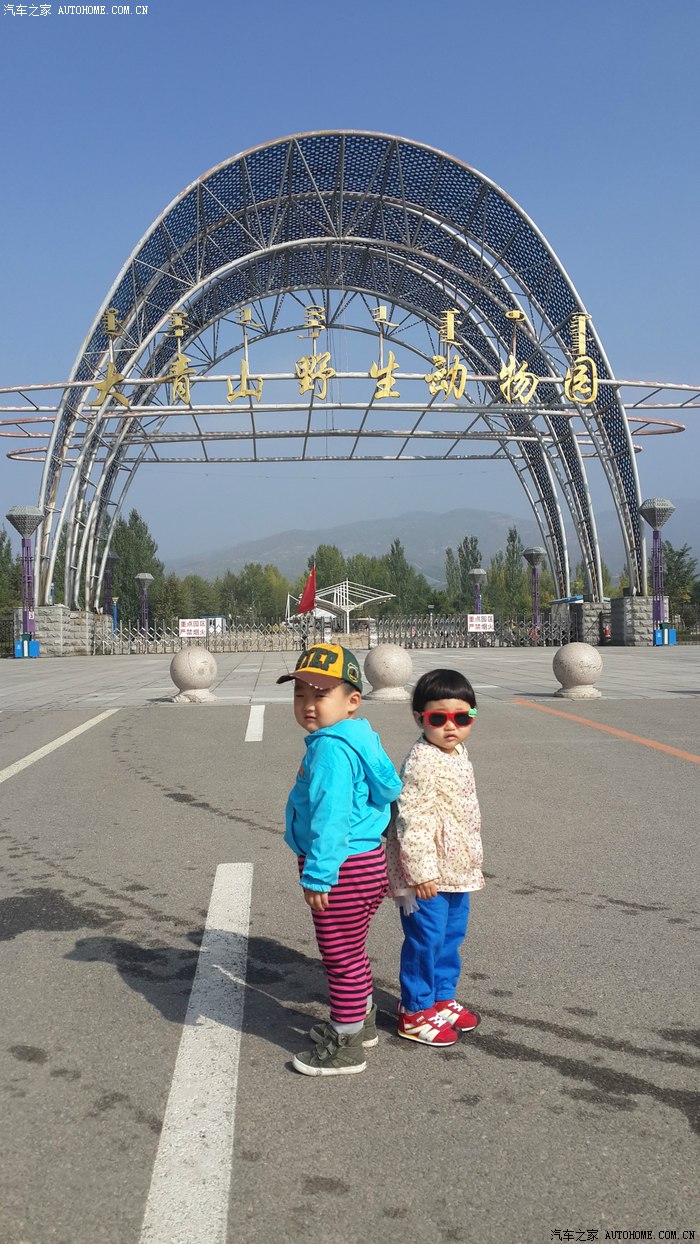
(434, 857)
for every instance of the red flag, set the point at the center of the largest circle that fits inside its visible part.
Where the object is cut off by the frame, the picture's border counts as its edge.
(308, 596)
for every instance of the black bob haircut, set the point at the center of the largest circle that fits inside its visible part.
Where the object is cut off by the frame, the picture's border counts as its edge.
(442, 685)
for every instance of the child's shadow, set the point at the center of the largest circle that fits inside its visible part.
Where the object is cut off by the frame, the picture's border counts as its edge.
(276, 979)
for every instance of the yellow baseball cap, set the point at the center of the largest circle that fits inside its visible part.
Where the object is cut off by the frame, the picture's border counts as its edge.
(325, 665)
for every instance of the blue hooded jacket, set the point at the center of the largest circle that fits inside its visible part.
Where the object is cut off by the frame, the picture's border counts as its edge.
(339, 804)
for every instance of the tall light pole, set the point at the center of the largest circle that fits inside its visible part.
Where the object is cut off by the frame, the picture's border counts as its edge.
(25, 519)
(145, 580)
(477, 576)
(535, 557)
(656, 511)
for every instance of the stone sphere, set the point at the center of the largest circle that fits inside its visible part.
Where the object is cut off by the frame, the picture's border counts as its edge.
(388, 668)
(577, 667)
(193, 669)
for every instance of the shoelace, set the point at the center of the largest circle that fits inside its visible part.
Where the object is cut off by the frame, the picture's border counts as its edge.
(438, 1022)
(432, 1021)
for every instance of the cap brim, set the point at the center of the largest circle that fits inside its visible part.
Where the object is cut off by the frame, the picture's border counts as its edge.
(320, 681)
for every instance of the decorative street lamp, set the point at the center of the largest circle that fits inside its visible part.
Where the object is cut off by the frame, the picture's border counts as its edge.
(656, 511)
(477, 576)
(535, 557)
(145, 580)
(25, 519)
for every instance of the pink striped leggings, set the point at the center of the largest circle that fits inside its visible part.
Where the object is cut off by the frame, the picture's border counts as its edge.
(341, 932)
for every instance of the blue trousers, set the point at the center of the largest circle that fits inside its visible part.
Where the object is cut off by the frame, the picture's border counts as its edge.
(430, 963)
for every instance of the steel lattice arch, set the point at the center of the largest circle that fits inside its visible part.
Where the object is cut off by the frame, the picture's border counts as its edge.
(342, 219)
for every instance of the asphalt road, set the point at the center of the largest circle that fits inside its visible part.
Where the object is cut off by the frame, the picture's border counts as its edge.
(572, 1107)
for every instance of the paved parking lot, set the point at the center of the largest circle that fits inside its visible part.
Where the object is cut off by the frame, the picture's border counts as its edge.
(574, 1106)
(250, 677)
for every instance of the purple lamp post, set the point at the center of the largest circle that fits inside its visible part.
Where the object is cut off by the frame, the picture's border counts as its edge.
(145, 581)
(477, 576)
(656, 511)
(535, 557)
(25, 519)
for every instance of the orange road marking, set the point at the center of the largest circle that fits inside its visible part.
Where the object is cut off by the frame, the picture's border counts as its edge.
(620, 734)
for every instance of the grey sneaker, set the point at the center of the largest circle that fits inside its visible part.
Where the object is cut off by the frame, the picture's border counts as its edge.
(337, 1054)
(370, 1036)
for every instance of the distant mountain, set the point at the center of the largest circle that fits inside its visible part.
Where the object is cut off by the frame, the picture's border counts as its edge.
(425, 536)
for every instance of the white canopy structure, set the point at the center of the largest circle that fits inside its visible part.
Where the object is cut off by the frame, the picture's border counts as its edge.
(340, 599)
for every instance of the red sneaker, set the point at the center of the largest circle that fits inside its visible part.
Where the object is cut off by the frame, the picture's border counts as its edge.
(426, 1026)
(457, 1015)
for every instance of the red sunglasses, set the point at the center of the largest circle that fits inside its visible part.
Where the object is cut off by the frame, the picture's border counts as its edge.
(441, 717)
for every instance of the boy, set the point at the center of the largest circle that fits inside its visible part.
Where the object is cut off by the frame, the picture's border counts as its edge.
(336, 813)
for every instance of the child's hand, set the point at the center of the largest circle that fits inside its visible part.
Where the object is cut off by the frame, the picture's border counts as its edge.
(316, 899)
(427, 889)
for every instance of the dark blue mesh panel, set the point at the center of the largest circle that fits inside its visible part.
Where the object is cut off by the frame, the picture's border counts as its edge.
(181, 221)
(222, 193)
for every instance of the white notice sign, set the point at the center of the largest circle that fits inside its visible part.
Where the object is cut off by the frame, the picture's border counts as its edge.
(192, 628)
(477, 622)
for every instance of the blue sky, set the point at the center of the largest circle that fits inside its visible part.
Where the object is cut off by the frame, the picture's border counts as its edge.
(585, 114)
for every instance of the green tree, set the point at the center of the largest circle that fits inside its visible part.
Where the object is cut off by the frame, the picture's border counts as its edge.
(579, 581)
(198, 597)
(548, 588)
(507, 592)
(167, 600)
(369, 571)
(460, 588)
(261, 592)
(680, 579)
(227, 594)
(136, 552)
(411, 589)
(330, 565)
(10, 574)
(452, 581)
(494, 593)
(516, 578)
(59, 569)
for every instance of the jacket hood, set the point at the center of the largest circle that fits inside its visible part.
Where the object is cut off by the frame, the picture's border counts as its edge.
(358, 735)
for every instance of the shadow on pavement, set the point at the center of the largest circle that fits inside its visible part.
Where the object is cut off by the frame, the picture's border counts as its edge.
(278, 981)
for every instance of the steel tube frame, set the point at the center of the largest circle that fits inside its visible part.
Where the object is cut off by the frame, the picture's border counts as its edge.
(395, 159)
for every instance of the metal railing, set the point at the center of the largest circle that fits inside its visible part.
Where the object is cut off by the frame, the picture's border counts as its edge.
(453, 632)
(163, 637)
(7, 636)
(281, 636)
(687, 627)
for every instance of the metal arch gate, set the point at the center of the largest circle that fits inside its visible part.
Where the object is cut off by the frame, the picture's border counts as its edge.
(444, 234)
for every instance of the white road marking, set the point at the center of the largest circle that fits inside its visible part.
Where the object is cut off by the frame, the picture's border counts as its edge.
(254, 732)
(189, 1193)
(19, 765)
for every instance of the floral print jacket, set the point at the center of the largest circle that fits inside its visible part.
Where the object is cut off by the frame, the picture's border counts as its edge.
(436, 834)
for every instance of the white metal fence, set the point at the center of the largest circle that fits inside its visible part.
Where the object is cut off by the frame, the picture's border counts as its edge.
(281, 636)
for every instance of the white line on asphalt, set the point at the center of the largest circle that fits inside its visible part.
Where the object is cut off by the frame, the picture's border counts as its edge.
(254, 732)
(19, 765)
(188, 1198)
